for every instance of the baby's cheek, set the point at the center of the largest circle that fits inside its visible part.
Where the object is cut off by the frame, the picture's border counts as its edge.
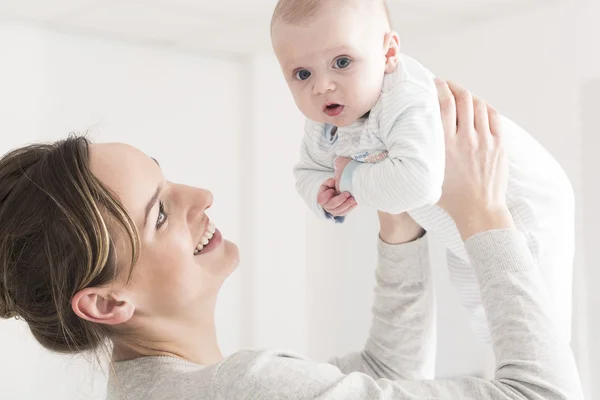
(301, 103)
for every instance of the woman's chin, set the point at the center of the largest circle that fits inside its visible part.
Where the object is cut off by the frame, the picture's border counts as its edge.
(228, 261)
(232, 254)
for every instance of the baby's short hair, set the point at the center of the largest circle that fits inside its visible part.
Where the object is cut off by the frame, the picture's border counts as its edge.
(298, 11)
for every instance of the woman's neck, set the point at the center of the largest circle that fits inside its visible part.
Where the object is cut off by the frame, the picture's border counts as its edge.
(195, 341)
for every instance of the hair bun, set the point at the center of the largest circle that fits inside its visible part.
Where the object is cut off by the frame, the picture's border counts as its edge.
(7, 309)
(7, 313)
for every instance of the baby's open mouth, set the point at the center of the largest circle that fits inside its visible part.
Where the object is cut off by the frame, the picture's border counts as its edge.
(333, 109)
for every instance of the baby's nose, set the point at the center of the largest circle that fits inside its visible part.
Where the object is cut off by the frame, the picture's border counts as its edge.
(323, 85)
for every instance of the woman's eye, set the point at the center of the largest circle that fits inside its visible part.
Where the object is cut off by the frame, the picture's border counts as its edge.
(342, 62)
(302, 75)
(162, 215)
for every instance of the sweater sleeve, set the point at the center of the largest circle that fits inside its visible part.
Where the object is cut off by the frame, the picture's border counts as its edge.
(533, 361)
(401, 342)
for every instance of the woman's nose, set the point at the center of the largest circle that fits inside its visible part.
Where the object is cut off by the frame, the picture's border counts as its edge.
(204, 198)
(199, 200)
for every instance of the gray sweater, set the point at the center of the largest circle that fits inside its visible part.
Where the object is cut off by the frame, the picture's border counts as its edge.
(533, 360)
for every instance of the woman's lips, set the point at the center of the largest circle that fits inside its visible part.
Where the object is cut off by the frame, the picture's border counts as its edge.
(216, 240)
(210, 239)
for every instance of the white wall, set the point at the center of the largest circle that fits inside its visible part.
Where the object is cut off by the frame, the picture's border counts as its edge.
(525, 65)
(588, 63)
(588, 32)
(181, 109)
(275, 214)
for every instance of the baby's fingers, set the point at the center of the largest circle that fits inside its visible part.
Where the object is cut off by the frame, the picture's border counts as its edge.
(344, 208)
(336, 201)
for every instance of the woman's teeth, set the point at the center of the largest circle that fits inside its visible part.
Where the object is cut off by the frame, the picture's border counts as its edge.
(210, 231)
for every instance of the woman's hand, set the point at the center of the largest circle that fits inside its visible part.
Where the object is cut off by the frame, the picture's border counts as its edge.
(476, 177)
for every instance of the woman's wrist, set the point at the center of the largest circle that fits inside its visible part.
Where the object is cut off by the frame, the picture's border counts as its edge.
(477, 221)
(398, 229)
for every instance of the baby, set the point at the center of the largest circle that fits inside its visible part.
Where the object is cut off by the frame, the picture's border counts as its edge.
(373, 132)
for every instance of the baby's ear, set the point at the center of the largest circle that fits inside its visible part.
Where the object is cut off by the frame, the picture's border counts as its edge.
(392, 51)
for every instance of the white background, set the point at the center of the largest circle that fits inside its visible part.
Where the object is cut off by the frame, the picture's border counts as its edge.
(193, 84)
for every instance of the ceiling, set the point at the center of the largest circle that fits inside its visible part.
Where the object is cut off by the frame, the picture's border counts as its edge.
(229, 27)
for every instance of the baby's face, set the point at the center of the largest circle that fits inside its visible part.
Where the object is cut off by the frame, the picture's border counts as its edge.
(334, 65)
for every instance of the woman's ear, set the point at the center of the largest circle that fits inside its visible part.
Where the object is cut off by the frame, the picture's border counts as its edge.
(102, 306)
(392, 51)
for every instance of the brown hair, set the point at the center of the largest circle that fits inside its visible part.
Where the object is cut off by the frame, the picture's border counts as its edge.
(54, 241)
(298, 11)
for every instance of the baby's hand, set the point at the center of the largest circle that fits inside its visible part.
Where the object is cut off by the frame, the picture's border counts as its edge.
(338, 205)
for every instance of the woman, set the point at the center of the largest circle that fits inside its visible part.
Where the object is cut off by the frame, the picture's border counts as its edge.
(96, 246)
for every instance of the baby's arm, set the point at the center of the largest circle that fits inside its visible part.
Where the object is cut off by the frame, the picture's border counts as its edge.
(312, 175)
(412, 175)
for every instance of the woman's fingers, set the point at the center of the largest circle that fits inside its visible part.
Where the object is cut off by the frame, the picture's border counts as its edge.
(447, 108)
(494, 122)
(482, 123)
(464, 108)
(476, 174)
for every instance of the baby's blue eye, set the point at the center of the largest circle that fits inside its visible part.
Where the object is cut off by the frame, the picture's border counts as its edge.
(302, 75)
(342, 62)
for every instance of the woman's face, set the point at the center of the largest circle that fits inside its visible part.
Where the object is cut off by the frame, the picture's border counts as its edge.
(171, 278)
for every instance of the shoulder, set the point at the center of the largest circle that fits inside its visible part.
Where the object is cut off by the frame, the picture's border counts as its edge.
(248, 362)
(409, 89)
(410, 78)
(271, 373)
(151, 378)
